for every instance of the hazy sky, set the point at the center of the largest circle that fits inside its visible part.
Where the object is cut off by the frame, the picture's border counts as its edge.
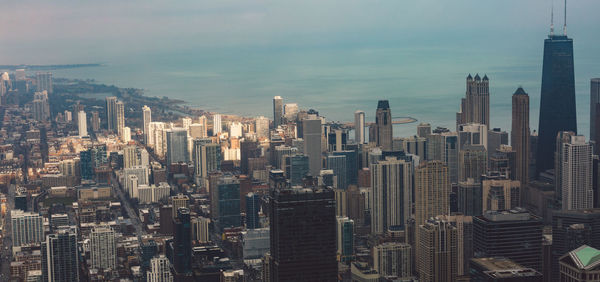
(71, 31)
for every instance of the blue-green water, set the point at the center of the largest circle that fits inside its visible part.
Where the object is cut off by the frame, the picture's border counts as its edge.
(425, 83)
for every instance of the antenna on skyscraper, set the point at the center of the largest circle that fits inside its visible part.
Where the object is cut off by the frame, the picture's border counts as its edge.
(565, 26)
(552, 20)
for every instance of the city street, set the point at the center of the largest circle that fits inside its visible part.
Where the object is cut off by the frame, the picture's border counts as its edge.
(139, 231)
(6, 251)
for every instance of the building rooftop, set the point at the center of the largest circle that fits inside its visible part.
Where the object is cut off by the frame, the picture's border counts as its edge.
(585, 257)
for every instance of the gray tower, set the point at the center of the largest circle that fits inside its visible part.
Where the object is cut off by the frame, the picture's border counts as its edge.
(383, 119)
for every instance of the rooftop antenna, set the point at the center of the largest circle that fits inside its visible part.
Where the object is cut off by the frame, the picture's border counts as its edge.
(552, 20)
(565, 26)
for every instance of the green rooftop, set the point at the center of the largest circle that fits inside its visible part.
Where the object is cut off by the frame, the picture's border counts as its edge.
(587, 256)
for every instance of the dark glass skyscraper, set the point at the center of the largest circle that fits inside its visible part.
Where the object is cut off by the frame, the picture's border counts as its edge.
(182, 243)
(303, 235)
(557, 106)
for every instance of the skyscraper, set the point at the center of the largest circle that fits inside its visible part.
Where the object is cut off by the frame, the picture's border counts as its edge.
(338, 165)
(576, 174)
(44, 82)
(393, 259)
(391, 195)
(277, 111)
(160, 270)
(472, 161)
(501, 194)
(146, 119)
(303, 235)
(95, 121)
(359, 127)
(469, 197)
(111, 113)
(217, 126)
(383, 120)
(252, 209)
(520, 135)
(120, 118)
(228, 204)
(475, 107)
(312, 143)
(514, 234)
(437, 245)
(290, 112)
(262, 127)
(595, 113)
(177, 146)
(103, 249)
(432, 189)
(60, 257)
(557, 104)
(82, 124)
(345, 238)
(27, 227)
(182, 243)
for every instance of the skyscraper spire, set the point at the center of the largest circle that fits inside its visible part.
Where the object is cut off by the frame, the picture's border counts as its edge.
(552, 20)
(565, 24)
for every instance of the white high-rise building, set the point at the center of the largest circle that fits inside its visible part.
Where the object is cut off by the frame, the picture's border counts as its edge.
(159, 270)
(235, 130)
(217, 126)
(126, 134)
(576, 174)
(130, 158)
(147, 119)
(186, 122)
(262, 127)
(155, 137)
(359, 127)
(472, 134)
(103, 249)
(391, 182)
(27, 227)
(200, 229)
(82, 124)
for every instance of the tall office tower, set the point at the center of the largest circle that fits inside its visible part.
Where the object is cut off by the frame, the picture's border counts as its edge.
(472, 134)
(345, 238)
(423, 130)
(359, 127)
(437, 245)
(228, 202)
(296, 168)
(475, 107)
(146, 120)
(303, 235)
(520, 135)
(95, 121)
(443, 146)
(44, 82)
(160, 270)
(103, 250)
(557, 104)
(338, 165)
(279, 154)
(501, 194)
(414, 145)
(351, 164)
(469, 197)
(277, 111)
(148, 250)
(248, 149)
(503, 162)
(182, 242)
(576, 174)
(261, 125)
(200, 230)
(198, 156)
(312, 143)
(291, 112)
(391, 194)
(472, 161)
(393, 259)
(60, 257)
(41, 107)
(111, 113)
(563, 137)
(464, 235)
(177, 146)
(207, 157)
(432, 189)
(82, 124)
(595, 113)
(561, 239)
(383, 120)
(514, 234)
(179, 201)
(252, 209)
(217, 126)
(496, 138)
(120, 118)
(27, 227)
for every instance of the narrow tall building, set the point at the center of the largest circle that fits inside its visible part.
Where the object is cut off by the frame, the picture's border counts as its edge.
(595, 113)
(277, 111)
(60, 257)
(103, 251)
(120, 118)
(437, 245)
(217, 125)
(160, 270)
(576, 174)
(393, 259)
(520, 135)
(475, 107)
(557, 103)
(312, 143)
(182, 243)
(177, 146)
(359, 127)
(391, 195)
(111, 113)
(383, 121)
(146, 119)
(82, 124)
(303, 235)
(432, 189)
